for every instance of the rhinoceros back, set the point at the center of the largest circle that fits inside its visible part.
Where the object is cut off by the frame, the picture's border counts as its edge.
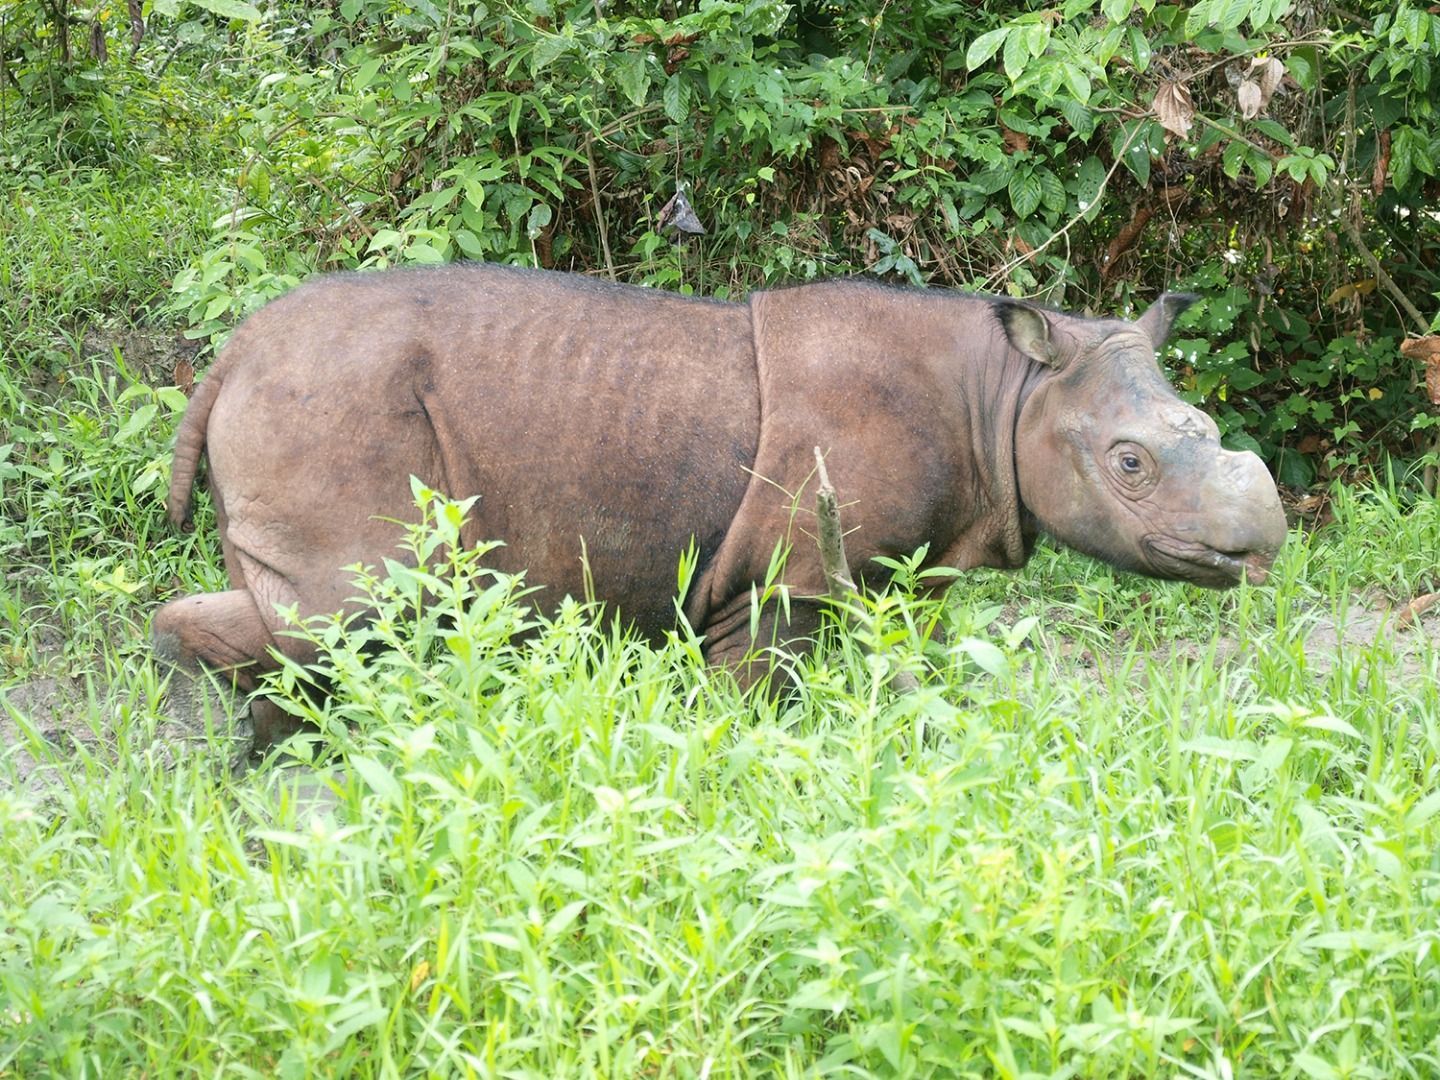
(590, 419)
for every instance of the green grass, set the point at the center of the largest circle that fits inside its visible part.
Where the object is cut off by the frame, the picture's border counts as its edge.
(584, 856)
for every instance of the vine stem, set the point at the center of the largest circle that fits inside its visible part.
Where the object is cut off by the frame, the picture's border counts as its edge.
(599, 210)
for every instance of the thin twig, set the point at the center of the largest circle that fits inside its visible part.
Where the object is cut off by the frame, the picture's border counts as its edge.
(599, 210)
(1428, 477)
(838, 582)
(1381, 275)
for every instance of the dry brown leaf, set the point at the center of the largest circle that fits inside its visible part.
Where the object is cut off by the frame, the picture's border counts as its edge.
(1259, 85)
(1415, 608)
(1267, 71)
(1015, 141)
(1174, 108)
(1251, 99)
(1427, 351)
(1351, 290)
(184, 376)
(1382, 163)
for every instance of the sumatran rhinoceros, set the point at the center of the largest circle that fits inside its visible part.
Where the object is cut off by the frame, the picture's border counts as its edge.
(618, 425)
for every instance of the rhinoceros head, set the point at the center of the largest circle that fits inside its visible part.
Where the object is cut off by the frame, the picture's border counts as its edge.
(1110, 461)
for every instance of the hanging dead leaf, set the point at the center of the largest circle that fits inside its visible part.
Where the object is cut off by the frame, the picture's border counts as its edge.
(98, 51)
(1267, 71)
(1350, 291)
(1382, 163)
(1427, 351)
(1259, 85)
(1250, 98)
(679, 214)
(184, 376)
(1174, 108)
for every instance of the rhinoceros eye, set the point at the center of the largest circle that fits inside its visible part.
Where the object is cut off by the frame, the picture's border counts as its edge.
(1133, 467)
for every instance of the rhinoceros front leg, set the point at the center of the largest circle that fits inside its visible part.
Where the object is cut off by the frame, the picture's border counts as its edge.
(217, 646)
(750, 658)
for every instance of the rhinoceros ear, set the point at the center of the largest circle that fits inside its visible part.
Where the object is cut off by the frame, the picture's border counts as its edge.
(1156, 322)
(1028, 330)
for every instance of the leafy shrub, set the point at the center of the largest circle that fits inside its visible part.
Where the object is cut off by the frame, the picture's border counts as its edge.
(1089, 153)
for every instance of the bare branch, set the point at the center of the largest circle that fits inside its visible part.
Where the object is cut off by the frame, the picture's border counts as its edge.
(838, 582)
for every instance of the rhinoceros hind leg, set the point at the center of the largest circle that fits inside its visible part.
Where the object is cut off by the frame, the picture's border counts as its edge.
(217, 645)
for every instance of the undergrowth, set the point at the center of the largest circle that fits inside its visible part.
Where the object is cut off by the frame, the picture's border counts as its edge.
(1208, 849)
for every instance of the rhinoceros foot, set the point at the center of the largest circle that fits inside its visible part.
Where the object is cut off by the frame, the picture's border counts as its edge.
(202, 713)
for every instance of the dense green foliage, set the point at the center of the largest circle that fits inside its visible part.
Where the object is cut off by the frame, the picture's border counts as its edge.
(975, 144)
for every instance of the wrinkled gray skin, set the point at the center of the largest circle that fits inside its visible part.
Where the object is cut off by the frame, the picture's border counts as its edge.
(633, 422)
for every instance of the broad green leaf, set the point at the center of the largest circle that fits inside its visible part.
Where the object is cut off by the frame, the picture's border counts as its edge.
(1198, 18)
(1080, 119)
(377, 777)
(469, 243)
(1316, 1068)
(1272, 130)
(1052, 191)
(632, 77)
(1261, 165)
(1092, 175)
(423, 253)
(1326, 722)
(137, 422)
(173, 398)
(984, 47)
(1413, 25)
(1037, 39)
(1423, 811)
(1229, 14)
(676, 98)
(365, 73)
(1076, 81)
(1137, 156)
(1016, 55)
(548, 49)
(1304, 65)
(517, 104)
(1232, 160)
(985, 654)
(562, 920)
(1140, 51)
(230, 9)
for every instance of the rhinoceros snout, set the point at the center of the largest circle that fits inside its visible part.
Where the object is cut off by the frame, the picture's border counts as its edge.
(1250, 522)
(1257, 566)
(1231, 532)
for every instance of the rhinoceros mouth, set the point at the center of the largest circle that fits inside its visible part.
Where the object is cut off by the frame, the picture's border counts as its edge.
(1206, 565)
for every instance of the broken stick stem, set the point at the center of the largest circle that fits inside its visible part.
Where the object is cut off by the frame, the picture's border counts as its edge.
(838, 582)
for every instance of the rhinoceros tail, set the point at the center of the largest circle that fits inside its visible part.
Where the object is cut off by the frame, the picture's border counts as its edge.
(189, 445)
